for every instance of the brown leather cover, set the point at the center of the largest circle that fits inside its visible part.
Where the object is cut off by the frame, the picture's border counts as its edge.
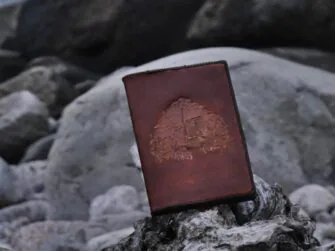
(189, 136)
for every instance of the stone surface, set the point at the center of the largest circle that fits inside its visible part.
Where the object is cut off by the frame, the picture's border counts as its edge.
(39, 150)
(129, 24)
(91, 148)
(31, 177)
(118, 221)
(49, 87)
(23, 182)
(272, 226)
(14, 217)
(100, 242)
(5, 247)
(23, 120)
(118, 199)
(286, 111)
(48, 234)
(324, 232)
(324, 60)
(327, 247)
(254, 23)
(313, 199)
(10, 189)
(72, 73)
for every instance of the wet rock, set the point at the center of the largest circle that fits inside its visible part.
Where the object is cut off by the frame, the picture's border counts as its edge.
(23, 120)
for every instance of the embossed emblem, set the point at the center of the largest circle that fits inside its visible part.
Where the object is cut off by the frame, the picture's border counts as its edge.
(186, 127)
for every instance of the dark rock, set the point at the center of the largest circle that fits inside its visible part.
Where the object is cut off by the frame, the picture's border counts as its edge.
(116, 34)
(85, 86)
(49, 87)
(274, 223)
(39, 150)
(255, 23)
(53, 125)
(9, 11)
(23, 120)
(11, 64)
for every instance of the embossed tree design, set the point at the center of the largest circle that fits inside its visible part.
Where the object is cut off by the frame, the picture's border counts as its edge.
(186, 127)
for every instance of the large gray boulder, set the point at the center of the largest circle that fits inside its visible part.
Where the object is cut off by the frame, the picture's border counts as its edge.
(272, 223)
(23, 120)
(286, 111)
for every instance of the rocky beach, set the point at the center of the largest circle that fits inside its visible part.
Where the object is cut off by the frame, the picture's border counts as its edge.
(70, 174)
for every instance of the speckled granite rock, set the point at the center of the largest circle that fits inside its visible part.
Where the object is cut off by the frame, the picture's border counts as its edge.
(269, 222)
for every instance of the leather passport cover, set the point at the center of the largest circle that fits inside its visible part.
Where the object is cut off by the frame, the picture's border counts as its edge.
(189, 137)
